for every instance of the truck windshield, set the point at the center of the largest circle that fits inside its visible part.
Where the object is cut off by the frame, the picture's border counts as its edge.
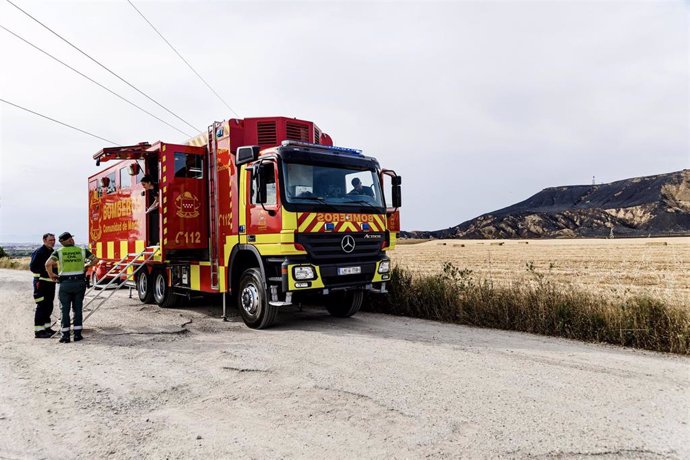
(337, 186)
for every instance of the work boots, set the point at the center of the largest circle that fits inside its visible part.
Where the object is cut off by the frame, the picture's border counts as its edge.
(77, 336)
(42, 335)
(65, 337)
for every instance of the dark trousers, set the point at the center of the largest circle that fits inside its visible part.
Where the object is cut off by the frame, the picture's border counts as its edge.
(71, 295)
(44, 295)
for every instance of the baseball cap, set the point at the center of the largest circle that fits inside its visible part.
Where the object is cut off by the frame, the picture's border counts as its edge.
(65, 236)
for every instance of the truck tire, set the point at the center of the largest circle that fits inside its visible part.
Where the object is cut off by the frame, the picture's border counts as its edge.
(94, 281)
(252, 300)
(162, 293)
(145, 286)
(344, 304)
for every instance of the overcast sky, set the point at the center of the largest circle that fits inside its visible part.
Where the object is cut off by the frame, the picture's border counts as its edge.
(477, 105)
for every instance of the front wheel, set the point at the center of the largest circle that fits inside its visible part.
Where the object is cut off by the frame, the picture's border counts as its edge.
(252, 301)
(344, 304)
(94, 280)
(162, 293)
(144, 286)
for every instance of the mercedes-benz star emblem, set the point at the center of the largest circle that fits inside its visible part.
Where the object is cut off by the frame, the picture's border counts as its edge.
(348, 244)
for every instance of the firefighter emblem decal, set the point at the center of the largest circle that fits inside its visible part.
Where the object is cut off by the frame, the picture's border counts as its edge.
(187, 205)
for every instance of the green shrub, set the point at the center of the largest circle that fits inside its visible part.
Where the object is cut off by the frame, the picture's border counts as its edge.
(16, 264)
(538, 306)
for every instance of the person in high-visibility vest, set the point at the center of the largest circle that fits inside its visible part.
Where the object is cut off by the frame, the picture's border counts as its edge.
(70, 260)
(44, 288)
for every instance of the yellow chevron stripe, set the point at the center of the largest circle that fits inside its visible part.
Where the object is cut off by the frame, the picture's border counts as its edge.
(348, 227)
(123, 249)
(307, 222)
(111, 250)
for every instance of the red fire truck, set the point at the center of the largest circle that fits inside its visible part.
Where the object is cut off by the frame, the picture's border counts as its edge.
(263, 210)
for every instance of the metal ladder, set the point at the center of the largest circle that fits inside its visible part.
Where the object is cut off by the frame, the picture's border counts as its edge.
(213, 201)
(117, 269)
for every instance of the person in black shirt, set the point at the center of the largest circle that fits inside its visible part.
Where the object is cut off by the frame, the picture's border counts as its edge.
(44, 288)
(359, 189)
(152, 209)
(149, 185)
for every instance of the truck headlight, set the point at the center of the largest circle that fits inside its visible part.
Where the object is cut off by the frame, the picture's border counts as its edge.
(384, 266)
(303, 273)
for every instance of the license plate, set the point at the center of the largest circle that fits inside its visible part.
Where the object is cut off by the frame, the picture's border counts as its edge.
(349, 270)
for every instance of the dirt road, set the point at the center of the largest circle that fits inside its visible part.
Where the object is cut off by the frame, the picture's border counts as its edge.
(152, 383)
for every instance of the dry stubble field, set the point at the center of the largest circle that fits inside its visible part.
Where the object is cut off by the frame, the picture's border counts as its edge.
(618, 268)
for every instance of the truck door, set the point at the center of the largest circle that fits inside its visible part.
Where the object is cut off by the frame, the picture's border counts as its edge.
(263, 208)
(184, 197)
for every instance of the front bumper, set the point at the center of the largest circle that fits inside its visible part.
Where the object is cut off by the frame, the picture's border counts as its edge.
(327, 275)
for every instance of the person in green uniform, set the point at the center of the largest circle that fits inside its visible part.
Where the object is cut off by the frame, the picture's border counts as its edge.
(70, 260)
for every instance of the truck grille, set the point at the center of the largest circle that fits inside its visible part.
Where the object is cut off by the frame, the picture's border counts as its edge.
(323, 247)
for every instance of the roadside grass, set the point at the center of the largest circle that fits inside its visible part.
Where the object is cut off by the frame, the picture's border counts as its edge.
(537, 305)
(15, 264)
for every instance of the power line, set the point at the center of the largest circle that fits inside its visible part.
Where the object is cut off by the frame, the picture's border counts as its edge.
(183, 59)
(59, 122)
(94, 81)
(104, 67)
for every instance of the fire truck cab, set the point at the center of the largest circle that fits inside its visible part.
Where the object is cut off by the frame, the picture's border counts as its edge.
(265, 210)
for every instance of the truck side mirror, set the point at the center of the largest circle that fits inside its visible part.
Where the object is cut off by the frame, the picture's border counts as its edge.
(246, 154)
(397, 191)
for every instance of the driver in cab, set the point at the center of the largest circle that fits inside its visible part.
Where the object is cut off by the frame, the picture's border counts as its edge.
(360, 189)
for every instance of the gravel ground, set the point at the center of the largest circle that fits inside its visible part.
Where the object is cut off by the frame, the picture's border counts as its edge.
(182, 383)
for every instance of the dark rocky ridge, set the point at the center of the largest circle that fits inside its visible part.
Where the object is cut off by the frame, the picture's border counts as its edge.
(643, 206)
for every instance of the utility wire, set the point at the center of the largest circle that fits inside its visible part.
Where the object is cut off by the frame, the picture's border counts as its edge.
(59, 122)
(94, 81)
(183, 59)
(106, 68)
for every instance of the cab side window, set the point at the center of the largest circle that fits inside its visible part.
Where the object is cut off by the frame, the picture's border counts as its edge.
(189, 166)
(107, 185)
(125, 179)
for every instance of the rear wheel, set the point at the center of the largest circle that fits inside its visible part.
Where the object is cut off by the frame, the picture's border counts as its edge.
(145, 286)
(344, 304)
(162, 293)
(252, 301)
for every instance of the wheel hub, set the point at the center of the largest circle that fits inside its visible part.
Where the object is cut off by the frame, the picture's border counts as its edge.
(250, 299)
(143, 284)
(160, 287)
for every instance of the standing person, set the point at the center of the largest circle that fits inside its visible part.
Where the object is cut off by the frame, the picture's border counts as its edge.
(44, 288)
(70, 260)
